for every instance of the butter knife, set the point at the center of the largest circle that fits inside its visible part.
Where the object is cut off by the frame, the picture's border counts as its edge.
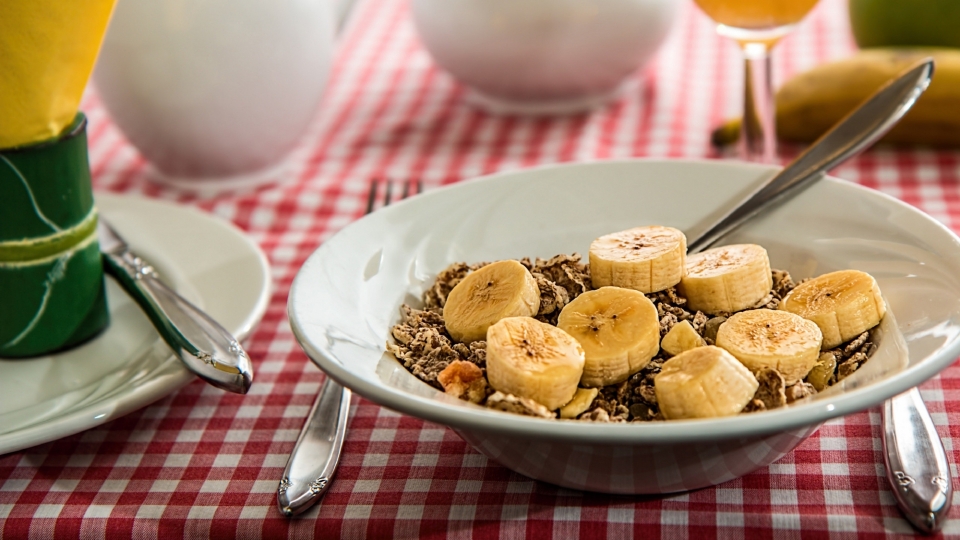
(206, 348)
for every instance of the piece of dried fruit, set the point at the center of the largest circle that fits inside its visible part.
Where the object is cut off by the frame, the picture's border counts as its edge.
(463, 380)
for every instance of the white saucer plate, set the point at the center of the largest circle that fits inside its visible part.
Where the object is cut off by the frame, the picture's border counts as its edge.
(209, 261)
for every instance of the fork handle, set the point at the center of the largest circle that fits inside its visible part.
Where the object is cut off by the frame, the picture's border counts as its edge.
(315, 457)
(916, 462)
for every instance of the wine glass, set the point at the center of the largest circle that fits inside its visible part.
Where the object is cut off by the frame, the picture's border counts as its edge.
(757, 25)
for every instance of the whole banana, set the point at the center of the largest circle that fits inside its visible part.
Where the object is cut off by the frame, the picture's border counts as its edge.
(812, 102)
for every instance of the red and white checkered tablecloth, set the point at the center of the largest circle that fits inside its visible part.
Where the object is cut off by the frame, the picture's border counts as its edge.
(202, 462)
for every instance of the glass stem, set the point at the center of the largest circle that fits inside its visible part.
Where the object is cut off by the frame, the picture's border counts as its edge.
(759, 140)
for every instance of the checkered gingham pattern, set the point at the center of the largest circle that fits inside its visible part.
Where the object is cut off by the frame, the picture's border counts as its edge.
(202, 462)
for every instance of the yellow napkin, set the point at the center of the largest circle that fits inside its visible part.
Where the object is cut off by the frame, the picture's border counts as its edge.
(47, 50)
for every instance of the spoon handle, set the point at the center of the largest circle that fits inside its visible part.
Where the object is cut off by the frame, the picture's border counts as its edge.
(913, 452)
(307, 475)
(856, 132)
(916, 462)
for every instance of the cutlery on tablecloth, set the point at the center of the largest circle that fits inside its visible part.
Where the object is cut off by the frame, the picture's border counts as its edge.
(916, 462)
(206, 348)
(316, 455)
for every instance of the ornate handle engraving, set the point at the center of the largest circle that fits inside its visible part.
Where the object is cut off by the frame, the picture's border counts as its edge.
(941, 483)
(205, 357)
(318, 485)
(237, 349)
(139, 267)
(903, 479)
(284, 485)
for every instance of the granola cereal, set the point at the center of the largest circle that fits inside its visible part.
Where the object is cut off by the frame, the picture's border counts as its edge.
(600, 415)
(436, 296)
(798, 391)
(518, 405)
(771, 389)
(561, 279)
(422, 344)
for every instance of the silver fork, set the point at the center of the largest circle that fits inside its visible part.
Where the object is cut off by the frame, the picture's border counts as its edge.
(316, 455)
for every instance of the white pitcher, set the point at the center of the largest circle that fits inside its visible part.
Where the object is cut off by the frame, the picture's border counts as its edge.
(216, 90)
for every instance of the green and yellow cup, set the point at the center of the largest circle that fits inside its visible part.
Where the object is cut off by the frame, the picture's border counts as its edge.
(51, 277)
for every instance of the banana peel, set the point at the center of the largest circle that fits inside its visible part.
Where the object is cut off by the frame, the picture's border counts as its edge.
(812, 102)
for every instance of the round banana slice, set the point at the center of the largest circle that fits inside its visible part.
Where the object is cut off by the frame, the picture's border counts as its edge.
(646, 259)
(534, 360)
(703, 383)
(618, 330)
(843, 304)
(764, 338)
(497, 290)
(726, 279)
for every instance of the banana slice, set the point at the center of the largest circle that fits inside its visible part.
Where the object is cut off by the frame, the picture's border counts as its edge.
(580, 403)
(534, 360)
(493, 292)
(646, 259)
(703, 383)
(682, 337)
(726, 279)
(764, 338)
(618, 330)
(844, 304)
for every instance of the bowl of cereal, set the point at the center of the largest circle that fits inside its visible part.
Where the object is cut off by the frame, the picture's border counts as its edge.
(554, 320)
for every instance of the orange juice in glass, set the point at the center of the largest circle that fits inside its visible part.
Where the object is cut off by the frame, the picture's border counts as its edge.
(757, 25)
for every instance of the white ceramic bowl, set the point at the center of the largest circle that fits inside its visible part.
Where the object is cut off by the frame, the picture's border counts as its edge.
(214, 93)
(543, 56)
(346, 297)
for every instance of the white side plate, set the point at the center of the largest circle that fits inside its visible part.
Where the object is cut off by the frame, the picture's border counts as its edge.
(207, 260)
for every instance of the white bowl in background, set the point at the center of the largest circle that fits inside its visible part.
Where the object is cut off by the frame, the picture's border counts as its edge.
(346, 296)
(543, 56)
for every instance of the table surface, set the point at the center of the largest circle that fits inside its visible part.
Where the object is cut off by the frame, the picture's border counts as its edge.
(201, 462)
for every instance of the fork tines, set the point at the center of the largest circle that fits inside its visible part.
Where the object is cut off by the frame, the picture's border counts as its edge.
(405, 185)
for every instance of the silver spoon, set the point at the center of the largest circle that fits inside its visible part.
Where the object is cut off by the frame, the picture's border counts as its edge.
(914, 456)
